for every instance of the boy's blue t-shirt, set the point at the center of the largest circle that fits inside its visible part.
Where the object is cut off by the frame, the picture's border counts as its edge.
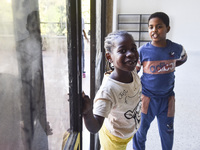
(158, 68)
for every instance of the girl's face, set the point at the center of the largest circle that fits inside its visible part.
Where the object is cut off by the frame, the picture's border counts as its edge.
(157, 31)
(124, 55)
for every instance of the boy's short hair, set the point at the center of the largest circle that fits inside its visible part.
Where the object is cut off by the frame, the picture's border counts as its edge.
(161, 15)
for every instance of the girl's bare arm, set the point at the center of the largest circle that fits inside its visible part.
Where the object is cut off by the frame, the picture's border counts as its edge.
(92, 122)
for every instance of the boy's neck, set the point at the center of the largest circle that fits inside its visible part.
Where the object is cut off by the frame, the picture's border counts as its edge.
(159, 43)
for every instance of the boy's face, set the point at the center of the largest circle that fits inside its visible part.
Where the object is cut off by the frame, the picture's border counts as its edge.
(157, 31)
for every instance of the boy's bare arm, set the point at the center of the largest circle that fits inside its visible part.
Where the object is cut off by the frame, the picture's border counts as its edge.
(92, 122)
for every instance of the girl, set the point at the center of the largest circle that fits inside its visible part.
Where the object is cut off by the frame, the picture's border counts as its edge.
(117, 104)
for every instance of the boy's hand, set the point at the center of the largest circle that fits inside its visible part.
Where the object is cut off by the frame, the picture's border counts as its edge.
(87, 104)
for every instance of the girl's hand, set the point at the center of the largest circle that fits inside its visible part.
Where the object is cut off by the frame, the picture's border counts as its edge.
(87, 104)
(92, 122)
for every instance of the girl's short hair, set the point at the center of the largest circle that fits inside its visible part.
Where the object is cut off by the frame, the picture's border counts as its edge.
(161, 15)
(109, 40)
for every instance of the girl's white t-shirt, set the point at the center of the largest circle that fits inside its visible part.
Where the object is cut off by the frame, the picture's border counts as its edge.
(120, 104)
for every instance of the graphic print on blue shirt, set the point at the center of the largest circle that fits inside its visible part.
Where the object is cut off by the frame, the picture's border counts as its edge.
(159, 67)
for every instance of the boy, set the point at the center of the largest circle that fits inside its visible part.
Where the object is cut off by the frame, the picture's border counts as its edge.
(159, 59)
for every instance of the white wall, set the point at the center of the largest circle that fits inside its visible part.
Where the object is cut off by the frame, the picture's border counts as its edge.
(184, 17)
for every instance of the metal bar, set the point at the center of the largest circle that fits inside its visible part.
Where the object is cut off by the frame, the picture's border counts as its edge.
(74, 61)
(74, 28)
(103, 33)
(92, 58)
(92, 47)
(79, 78)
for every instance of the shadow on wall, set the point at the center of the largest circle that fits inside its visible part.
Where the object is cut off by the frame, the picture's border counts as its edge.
(21, 95)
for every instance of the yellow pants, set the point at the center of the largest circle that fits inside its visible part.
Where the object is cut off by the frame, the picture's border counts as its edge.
(111, 142)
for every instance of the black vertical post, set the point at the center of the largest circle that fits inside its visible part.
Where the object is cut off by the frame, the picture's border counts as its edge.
(74, 34)
(94, 141)
(92, 46)
(79, 78)
(103, 34)
(92, 58)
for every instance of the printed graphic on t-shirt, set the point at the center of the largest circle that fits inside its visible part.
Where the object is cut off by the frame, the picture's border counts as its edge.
(159, 67)
(135, 114)
(124, 95)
